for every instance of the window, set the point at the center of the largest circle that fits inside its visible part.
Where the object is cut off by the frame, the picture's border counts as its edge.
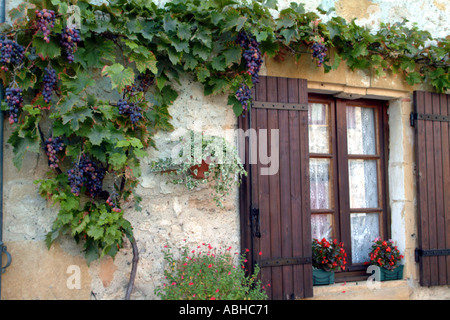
(347, 173)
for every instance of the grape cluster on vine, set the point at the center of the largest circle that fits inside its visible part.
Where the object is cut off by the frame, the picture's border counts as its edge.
(86, 173)
(252, 55)
(141, 83)
(144, 80)
(14, 100)
(69, 40)
(319, 52)
(130, 109)
(49, 81)
(53, 146)
(253, 62)
(244, 94)
(45, 20)
(112, 201)
(10, 53)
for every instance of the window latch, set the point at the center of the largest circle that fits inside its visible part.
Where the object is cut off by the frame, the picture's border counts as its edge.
(256, 222)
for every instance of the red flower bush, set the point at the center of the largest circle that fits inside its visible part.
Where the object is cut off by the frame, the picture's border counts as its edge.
(385, 254)
(329, 256)
(208, 273)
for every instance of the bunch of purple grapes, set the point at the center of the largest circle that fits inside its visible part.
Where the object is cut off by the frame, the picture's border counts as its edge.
(144, 80)
(45, 21)
(10, 53)
(113, 202)
(87, 174)
(76, 179)
(244, 94)
(53, 146)
(141, 83)
(14, 101)
(319, 52)
(252, 55)
(49, 83)
(130, 109)
(69, 39)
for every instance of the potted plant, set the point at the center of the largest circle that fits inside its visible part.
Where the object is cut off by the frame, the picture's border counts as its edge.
(327, 257)
(204, 159)
(208, 273)
(387, 257)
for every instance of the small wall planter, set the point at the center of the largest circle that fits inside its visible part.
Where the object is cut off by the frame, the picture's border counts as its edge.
(396, 274)
(322, 277)
(198, 171)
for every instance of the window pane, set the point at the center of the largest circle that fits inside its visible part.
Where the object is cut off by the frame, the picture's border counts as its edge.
(321, 226)
(363, 183)
(361, 130)
(318, 121)
(320, 183)
(364, 229)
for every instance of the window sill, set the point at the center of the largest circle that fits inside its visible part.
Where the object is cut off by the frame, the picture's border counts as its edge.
(360, 290)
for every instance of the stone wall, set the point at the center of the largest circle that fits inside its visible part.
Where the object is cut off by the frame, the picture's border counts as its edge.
(172, 215)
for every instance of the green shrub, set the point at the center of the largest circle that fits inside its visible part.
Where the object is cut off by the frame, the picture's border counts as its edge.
(207, 273)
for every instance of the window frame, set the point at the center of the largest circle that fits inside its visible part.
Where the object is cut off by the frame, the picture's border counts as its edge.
(338, 153)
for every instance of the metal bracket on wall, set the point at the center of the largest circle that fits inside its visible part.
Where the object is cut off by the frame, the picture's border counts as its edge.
(3, 250)
(429, 117)
(431, 253)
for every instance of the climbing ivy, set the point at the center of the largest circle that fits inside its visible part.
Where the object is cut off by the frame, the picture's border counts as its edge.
(140, 51)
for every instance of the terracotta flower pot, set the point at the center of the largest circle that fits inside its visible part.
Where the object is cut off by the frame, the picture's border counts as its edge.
(201, 170)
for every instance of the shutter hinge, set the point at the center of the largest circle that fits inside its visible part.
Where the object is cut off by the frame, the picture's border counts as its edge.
(430, 253)
(280, 105)
(430, 117)
(278, 262)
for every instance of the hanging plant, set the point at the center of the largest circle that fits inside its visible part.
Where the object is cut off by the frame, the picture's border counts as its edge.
(203, 159)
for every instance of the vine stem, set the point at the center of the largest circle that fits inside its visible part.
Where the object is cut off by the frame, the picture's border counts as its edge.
(135, 259)
(133, 269)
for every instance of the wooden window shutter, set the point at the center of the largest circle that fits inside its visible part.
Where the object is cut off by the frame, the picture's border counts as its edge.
(431, 121)
(275, 208)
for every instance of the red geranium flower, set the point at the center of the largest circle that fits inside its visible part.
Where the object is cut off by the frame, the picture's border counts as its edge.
(329, 256)
(385, 254)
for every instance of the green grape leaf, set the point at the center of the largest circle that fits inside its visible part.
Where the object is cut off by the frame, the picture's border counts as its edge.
(119, 75)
